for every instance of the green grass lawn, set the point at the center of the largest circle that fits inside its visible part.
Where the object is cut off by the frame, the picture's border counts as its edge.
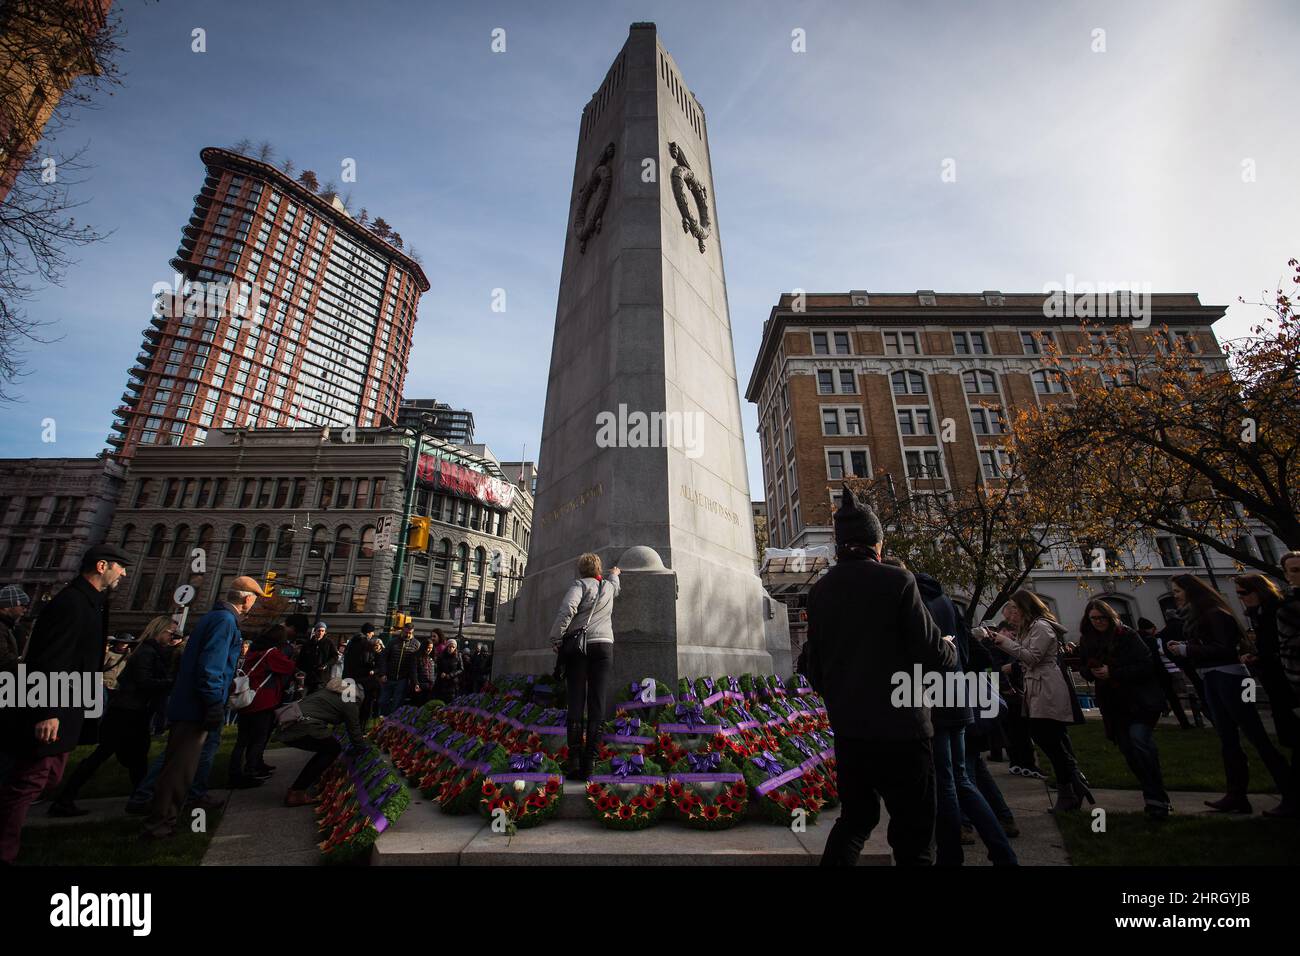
(1130, 840)
(1189, 759)
(113, 843)
(111, 779)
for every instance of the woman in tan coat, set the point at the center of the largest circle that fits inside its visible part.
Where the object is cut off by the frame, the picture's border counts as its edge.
(1047, 699)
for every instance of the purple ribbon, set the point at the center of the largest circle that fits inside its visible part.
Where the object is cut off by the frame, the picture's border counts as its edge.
(708, 684)
(704, 763)
(767, 786)
(707, 777)
(531, 763)
(628, 766)
(690, 714)
(627, 727)
(511, 777)
(802, 746)
(767, 763)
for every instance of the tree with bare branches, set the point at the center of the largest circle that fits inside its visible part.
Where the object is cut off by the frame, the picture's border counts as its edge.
(46, 46)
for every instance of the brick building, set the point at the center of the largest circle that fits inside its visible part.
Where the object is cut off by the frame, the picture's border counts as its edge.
(285, 312)
(864, 384)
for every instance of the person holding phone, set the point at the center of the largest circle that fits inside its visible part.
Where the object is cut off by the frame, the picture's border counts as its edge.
(1047, 698)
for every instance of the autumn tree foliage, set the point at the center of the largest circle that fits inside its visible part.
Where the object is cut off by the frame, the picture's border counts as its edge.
(1160, 436)
(982, 541)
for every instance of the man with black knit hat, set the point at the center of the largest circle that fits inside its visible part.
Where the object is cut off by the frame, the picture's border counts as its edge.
(866, 623)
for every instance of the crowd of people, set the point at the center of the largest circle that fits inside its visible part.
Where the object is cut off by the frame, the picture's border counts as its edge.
(292, 677)
(870, 620)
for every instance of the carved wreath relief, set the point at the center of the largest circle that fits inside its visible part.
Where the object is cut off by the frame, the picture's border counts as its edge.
(683, 180)
(592, 198)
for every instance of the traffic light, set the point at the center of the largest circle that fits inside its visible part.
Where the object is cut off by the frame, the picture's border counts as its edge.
(269, 588)
(400, 620)
(417, 535)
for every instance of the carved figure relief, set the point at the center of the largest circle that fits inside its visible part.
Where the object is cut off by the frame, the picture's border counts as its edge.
(592, 198)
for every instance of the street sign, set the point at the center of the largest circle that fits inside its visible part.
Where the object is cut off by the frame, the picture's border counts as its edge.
(290, 592)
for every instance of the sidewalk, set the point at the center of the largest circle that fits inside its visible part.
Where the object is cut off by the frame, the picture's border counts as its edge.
(258, 830)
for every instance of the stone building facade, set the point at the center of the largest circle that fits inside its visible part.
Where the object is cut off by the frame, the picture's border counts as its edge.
(306, 503)
(51, 511)
(860, 384)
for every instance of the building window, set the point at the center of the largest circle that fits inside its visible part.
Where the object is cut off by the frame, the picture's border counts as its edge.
(368, 542)
(1048, 382)
(1037, 342)
(848, 382)
(902, 343)
(155, 547)
(830, 422)
(821, 343)
(988, 421)
(842, 343)
(181, 543)
(1267, 548)
(360, 589)
(995, 463)
(435, 602)
(907, 383)
(825, 382)
(343, 544)
(1177, 552)
(443, 556)
(915, 421)
(979, 382)
(284, 543)
(969, 343)
(235, 550)
(261, 542)
(924, 463)
(835, 465)
(462, 558)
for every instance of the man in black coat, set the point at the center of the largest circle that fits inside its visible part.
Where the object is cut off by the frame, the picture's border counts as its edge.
(866, 623)
(360, 664)
(68, 638)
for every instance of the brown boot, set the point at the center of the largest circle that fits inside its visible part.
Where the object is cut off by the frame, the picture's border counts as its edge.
(299, 798)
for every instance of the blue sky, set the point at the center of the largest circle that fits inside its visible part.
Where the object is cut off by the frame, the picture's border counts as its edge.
(1123, 165)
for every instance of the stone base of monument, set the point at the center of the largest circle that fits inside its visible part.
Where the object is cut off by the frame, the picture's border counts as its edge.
(424, 836)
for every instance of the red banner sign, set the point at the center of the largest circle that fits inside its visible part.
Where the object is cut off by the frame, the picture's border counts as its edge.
(460, 480)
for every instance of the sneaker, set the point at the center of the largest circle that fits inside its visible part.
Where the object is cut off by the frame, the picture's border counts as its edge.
(1009, 828)
(66, 808)
(1033, 772)
(1016, 770)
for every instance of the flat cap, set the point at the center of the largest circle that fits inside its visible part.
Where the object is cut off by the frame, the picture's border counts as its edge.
(107, 552)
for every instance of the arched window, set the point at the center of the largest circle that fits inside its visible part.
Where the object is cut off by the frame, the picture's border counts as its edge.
(443, 555)
(261, 541)
(368, 542)
(319, 542)
(284, 542)
(343, 543)
(462, 556)
(480, 560)
(206, 537)
(907, 383)
(125, 541)
(181, 543)
(979, 382)
(155, 549)
(1049, 382)
(236, 549)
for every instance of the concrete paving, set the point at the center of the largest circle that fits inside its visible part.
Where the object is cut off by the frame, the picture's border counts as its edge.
(258, 830)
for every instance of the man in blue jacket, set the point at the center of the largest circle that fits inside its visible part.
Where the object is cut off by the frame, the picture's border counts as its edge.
(198, 702)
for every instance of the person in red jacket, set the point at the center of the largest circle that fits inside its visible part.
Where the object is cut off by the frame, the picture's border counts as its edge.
(267, 668)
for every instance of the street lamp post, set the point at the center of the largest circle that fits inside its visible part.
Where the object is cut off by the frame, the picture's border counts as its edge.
(411, 472)
(460, 625)
(324, 585)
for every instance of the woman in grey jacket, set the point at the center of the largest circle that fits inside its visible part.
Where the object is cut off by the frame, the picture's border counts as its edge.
(588, 603)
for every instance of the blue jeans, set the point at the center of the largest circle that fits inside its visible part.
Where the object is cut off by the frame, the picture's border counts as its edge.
(391, 695)
(977, 768)
(199, 788)
(1137, 742)
(958, 794)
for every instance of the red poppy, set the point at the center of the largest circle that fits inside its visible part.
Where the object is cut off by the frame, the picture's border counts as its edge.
(552, 785)
(710, 813)
(676, 788)
(625, 812)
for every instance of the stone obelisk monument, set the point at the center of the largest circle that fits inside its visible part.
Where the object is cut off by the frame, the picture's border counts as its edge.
(642, 456)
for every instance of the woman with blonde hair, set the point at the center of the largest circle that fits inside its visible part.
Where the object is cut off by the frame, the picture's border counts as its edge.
(124, 731)
(583, 638)
(1048, 699)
